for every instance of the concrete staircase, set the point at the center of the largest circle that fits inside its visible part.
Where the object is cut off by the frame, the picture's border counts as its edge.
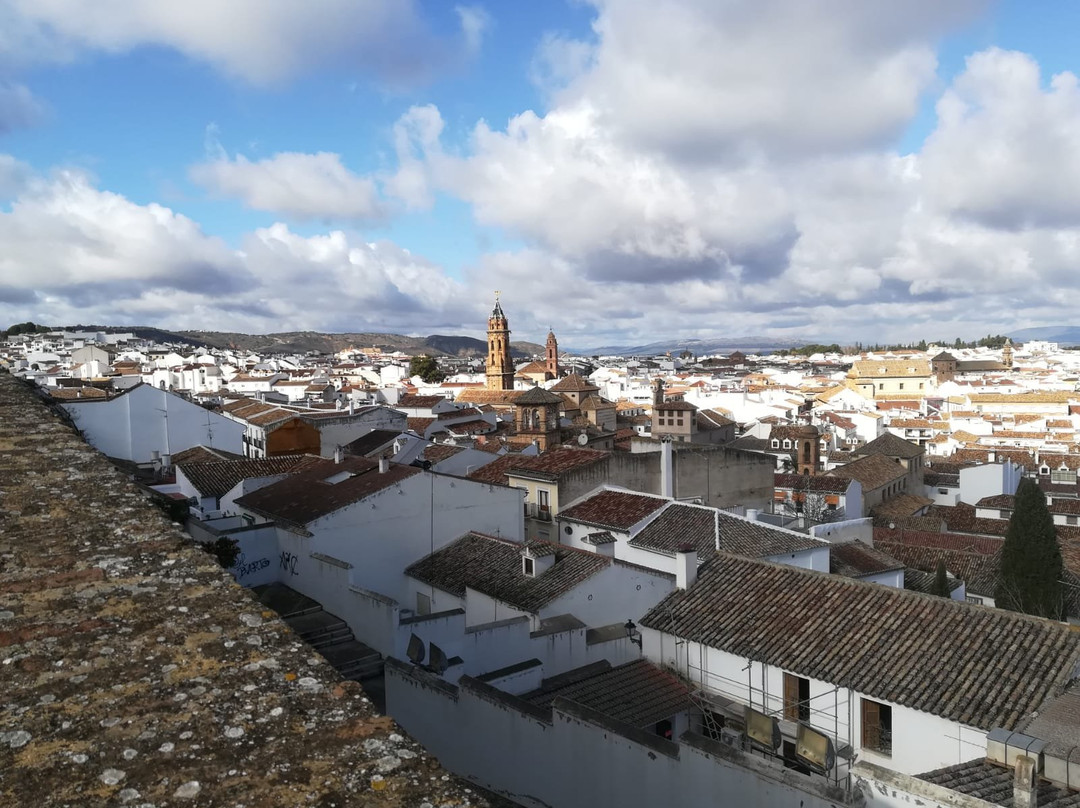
(326, 633)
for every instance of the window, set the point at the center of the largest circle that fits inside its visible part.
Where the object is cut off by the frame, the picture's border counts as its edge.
(943, 490)
(1070, 520)
(973, 599)
(796, 698)
(423, 603)
(542, 496)
(527, 566)
(1004, 514)
(775, 443)
(901, 385)
(877, 727)
(787, 443)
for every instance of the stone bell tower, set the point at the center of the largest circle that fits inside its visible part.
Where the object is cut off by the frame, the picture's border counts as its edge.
(551, 356)
(500, 371)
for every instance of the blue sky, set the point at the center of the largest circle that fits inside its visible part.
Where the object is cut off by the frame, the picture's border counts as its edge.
(622, 170)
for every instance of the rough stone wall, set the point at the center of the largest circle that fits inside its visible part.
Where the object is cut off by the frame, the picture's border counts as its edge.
(133, 671)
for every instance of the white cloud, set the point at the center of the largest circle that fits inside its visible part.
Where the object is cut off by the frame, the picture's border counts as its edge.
(1007, 151)
(721, 79)
(70, 253)
(304, 186)
(260, 41)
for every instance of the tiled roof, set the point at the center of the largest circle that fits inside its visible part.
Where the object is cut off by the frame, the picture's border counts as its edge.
(994, 784)
(538, 396)
(890, 445)
(678, 404)
(480, 395)
(574, 383)
(600, 537)
(425, 402)
(872, 471)
(204, 454)
(493, 566)
(418, 425)
(981, 667)
(811, 482)
(901, 506)
(1058, 723)
(373, 441)
(919, 581)
(558, 460)
(1045, 397)
(711, 419)
(219, 478)
(306, 496)
(759, 540)
(856, 559)
(437, 452)
(677, 525)
(614, 510)
(977, 570)
(890, 368)
(637, 693)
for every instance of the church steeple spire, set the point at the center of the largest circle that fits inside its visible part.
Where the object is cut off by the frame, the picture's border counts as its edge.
(500, 371)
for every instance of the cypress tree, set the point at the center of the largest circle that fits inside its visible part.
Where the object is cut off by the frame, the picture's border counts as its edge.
(941, 581)
(1029, 580)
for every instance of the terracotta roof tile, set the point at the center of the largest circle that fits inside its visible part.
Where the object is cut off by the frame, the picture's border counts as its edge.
(775, 614)
(493, 566)
(614, 510)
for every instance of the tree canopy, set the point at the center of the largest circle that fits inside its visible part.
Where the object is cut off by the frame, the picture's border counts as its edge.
(426, 368)
(1031, 566)
(941, 581)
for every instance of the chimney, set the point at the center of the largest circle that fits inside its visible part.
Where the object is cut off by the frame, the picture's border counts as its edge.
(752, 514)
(338, 454)
(384, 465)
(1025, 783)
(352, 407)
(685, 566)
(667, 481)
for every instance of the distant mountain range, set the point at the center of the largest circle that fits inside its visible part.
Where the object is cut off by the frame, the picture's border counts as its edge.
(1065, 335)
(698, 347)
(300, 342)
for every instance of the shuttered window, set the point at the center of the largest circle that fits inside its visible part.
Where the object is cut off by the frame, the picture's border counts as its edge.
(796, 698)
(877, 727)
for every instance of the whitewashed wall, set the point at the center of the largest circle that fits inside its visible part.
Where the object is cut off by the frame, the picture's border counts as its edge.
(571, 757)
(921, 741)
(145, 420)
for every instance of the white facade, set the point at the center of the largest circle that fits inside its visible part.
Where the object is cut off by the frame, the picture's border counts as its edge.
(989, 479)
(145, 420)
(921, 742)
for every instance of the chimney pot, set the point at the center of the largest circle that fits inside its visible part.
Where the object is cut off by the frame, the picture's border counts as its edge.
(685, 566)
(1025, 783)
(384, 465)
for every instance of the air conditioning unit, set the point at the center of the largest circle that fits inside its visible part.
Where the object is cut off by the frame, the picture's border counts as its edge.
(731, 738)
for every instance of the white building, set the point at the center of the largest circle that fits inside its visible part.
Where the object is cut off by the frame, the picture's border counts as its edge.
(144, 420)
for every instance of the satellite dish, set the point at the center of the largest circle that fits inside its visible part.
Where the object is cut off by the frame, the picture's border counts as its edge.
(582, 439)
(416, 650)
(438, 663)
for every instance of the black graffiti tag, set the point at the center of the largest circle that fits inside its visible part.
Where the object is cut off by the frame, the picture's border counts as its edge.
(288, 562)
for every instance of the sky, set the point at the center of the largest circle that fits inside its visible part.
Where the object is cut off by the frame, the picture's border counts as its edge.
(622, 171)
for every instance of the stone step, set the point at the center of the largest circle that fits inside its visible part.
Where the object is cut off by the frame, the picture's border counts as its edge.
(329, 640)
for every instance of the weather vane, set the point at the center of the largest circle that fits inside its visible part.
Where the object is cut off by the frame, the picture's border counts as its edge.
(497, 293)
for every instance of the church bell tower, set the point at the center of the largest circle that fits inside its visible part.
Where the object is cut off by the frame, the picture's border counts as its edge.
(500, 371)
(551, 356)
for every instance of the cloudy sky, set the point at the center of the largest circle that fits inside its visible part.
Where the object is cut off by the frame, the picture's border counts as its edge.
(623, 170)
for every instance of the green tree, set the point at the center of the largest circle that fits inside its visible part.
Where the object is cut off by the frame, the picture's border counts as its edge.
(426, 368)
(941, 581)
(1031, 567)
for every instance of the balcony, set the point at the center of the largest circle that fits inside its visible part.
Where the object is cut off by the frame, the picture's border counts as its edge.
(534, 511)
